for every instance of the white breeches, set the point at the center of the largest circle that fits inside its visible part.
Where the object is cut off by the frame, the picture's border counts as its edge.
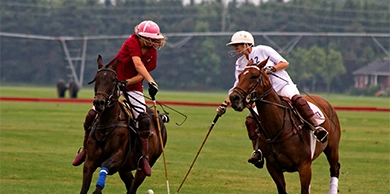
(289, 90)
(138, 101)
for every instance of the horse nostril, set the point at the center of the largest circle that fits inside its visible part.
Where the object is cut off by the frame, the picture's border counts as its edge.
(98, 102)
(234, 98)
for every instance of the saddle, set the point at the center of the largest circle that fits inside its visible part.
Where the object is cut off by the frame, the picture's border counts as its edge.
(318, 114)
(126, 109)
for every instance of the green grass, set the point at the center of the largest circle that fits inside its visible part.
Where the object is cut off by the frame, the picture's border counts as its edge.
(39, 140)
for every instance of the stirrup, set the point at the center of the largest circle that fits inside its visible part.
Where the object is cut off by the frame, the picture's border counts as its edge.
(258, 161)
(321, 134)
(81, 148)
(139, 162)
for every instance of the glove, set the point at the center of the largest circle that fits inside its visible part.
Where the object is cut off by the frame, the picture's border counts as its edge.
(222, 109)
(122, 84)
(269, 69)
(153, 89)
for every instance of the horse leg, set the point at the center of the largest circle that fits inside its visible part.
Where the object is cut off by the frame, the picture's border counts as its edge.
(111, 163)
(88, 170)
(333, 159)
(127, 178)
(305, 174)
(278, 178)
(138, 180)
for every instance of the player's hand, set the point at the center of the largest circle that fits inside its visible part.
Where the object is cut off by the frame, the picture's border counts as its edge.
(153, 89)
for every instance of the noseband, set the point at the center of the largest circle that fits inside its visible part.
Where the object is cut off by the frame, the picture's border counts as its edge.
(111, 98)
(251, 94)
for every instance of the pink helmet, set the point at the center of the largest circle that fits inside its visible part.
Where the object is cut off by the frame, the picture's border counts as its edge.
(149, 29)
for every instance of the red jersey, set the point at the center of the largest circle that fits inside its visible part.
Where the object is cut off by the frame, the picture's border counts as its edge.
(126, 68)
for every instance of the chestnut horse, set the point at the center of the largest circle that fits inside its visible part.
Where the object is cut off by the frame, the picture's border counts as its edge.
(113, 144)
(286, 146)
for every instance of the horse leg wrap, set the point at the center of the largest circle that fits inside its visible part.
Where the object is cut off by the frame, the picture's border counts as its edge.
(102, 177)
(333, 186)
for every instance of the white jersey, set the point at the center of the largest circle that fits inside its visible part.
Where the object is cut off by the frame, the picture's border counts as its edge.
(258, 54)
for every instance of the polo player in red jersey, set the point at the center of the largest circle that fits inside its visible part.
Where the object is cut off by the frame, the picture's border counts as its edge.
(136, 58)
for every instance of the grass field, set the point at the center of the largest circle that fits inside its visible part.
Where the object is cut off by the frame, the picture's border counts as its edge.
(39, 140)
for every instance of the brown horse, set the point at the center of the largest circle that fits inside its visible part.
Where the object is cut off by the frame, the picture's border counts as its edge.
(113, 143)
(286, 146)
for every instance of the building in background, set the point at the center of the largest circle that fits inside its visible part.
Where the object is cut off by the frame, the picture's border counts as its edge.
(376, 73)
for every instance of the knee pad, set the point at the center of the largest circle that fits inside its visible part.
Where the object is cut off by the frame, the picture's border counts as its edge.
(90, 117)
(143, 120)
(251, 127)
(302, 106)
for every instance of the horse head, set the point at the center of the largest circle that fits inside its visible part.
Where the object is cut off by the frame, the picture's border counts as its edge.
(253, 83)
(106, 86)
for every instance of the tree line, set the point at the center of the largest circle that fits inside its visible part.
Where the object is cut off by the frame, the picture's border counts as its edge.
(317, 64)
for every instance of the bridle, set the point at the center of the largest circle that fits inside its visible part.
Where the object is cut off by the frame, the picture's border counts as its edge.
(113, 96)
(251, 95)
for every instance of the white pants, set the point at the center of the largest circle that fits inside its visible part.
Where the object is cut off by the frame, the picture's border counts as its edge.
(289, 91)
(138, 101)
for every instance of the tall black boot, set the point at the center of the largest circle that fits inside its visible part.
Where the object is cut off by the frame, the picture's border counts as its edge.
(144, 132)
(80, 156)
(304, 109)
(257, 156)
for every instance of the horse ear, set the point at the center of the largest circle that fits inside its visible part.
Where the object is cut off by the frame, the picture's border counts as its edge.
(115, 64)
(263, 63)
(99, 62)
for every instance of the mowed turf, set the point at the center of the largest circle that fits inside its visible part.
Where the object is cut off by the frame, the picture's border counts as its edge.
(39, 140)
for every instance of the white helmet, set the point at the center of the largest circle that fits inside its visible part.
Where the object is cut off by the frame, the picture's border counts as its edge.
(241, 37)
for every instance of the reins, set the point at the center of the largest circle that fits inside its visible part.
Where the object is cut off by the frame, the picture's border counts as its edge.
(252, 97)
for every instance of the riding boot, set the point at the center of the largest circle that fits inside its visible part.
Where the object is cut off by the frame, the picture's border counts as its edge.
(257, 156)
(304, 109)
(80, 156)
(144, 132)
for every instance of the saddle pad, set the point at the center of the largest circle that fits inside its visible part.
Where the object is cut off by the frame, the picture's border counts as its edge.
(126, 110)
(318, 115)
(313, 143)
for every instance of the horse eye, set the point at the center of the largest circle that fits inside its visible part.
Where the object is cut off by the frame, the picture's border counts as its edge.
(254, 77)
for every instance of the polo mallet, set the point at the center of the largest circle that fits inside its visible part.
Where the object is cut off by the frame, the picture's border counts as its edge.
(161, 143)
(197, 154)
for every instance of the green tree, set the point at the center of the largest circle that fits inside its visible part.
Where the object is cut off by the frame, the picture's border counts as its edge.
(332, 68)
